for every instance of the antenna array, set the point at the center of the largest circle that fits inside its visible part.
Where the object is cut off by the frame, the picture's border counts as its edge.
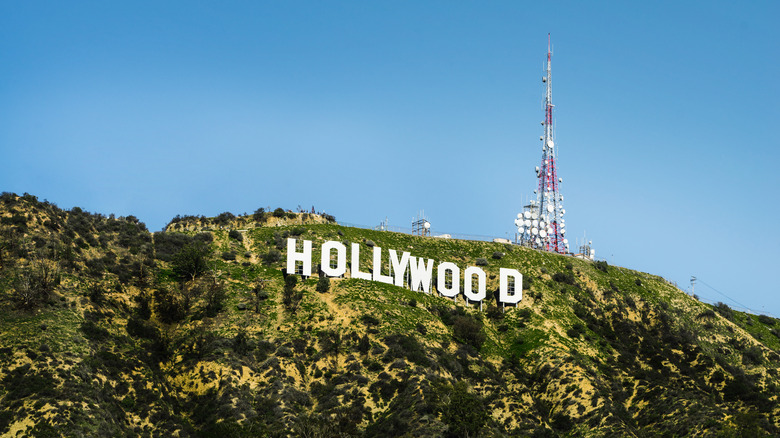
(541, 223)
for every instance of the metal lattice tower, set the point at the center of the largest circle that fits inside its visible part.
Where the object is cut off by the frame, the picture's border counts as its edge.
(541, 224)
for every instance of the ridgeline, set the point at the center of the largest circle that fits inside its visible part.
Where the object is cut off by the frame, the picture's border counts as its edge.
(109, 330)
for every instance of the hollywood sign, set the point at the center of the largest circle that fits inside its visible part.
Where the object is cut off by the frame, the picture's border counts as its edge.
(408, 270)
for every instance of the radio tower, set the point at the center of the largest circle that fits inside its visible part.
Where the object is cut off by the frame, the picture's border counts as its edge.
(541, 224)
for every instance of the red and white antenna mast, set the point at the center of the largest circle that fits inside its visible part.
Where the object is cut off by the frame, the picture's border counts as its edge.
(541, 224)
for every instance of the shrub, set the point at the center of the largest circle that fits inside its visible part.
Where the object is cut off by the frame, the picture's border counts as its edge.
(323, 284)
(724, 310)
(229, 255)
(564, 277)
(224, 218)
(369, 320)
(482, 261)
(168, 305)
(576, 330)
(272, 256)
(469, 330)
(234, 234)
(498, 255)
(768, 320)
(279, 212)
(601, 265)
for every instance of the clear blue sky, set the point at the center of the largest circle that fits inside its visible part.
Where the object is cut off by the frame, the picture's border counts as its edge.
(666, 114)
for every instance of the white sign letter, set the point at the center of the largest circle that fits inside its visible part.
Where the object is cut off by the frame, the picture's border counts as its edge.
(421, 274)
(468, 276)
(341, 259)
(293, 256)
(503, 293)
(399, 268)
(356, 264)
(441, 283)
(378, 267)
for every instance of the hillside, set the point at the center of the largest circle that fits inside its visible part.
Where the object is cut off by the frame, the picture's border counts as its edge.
(107, 329)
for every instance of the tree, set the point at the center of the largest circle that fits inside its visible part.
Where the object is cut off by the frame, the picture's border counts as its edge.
(465, 413)
(291, 297)
(34, 283)
(259, 215)
(190, 262)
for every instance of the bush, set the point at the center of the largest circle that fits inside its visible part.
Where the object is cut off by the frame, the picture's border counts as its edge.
(235, 235)
(229, 256)
(272, 256)
(469, 330)
(498, 255)
(724, 310)
(259, 215)
(564, 277)
(768, 320)
(224, 218)
(323, 284)
(482, 261)
(279, 212)
(576, 330)
(602, 265)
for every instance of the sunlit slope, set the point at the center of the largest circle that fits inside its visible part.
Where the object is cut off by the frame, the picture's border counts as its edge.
(129, 342)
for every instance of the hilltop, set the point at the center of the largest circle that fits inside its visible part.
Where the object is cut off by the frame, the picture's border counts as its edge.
(107, 329)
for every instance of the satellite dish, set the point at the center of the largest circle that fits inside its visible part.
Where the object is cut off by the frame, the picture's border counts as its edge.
(541, 137)
(560, 180)
(542, 122)
(534, 215)
(534, 231)
(427, 225)
(543, 233)
(527, 222)
(563, 211)
(535, 223)
(519, 215)
(518, 222)
(563, 230)
(550, 144)
(527, 214)
(537, 169)
(550, 208)
(544, 79)
(566, 242)
(520, 230)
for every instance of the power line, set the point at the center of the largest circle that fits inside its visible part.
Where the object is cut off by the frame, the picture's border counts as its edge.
(732, 299)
